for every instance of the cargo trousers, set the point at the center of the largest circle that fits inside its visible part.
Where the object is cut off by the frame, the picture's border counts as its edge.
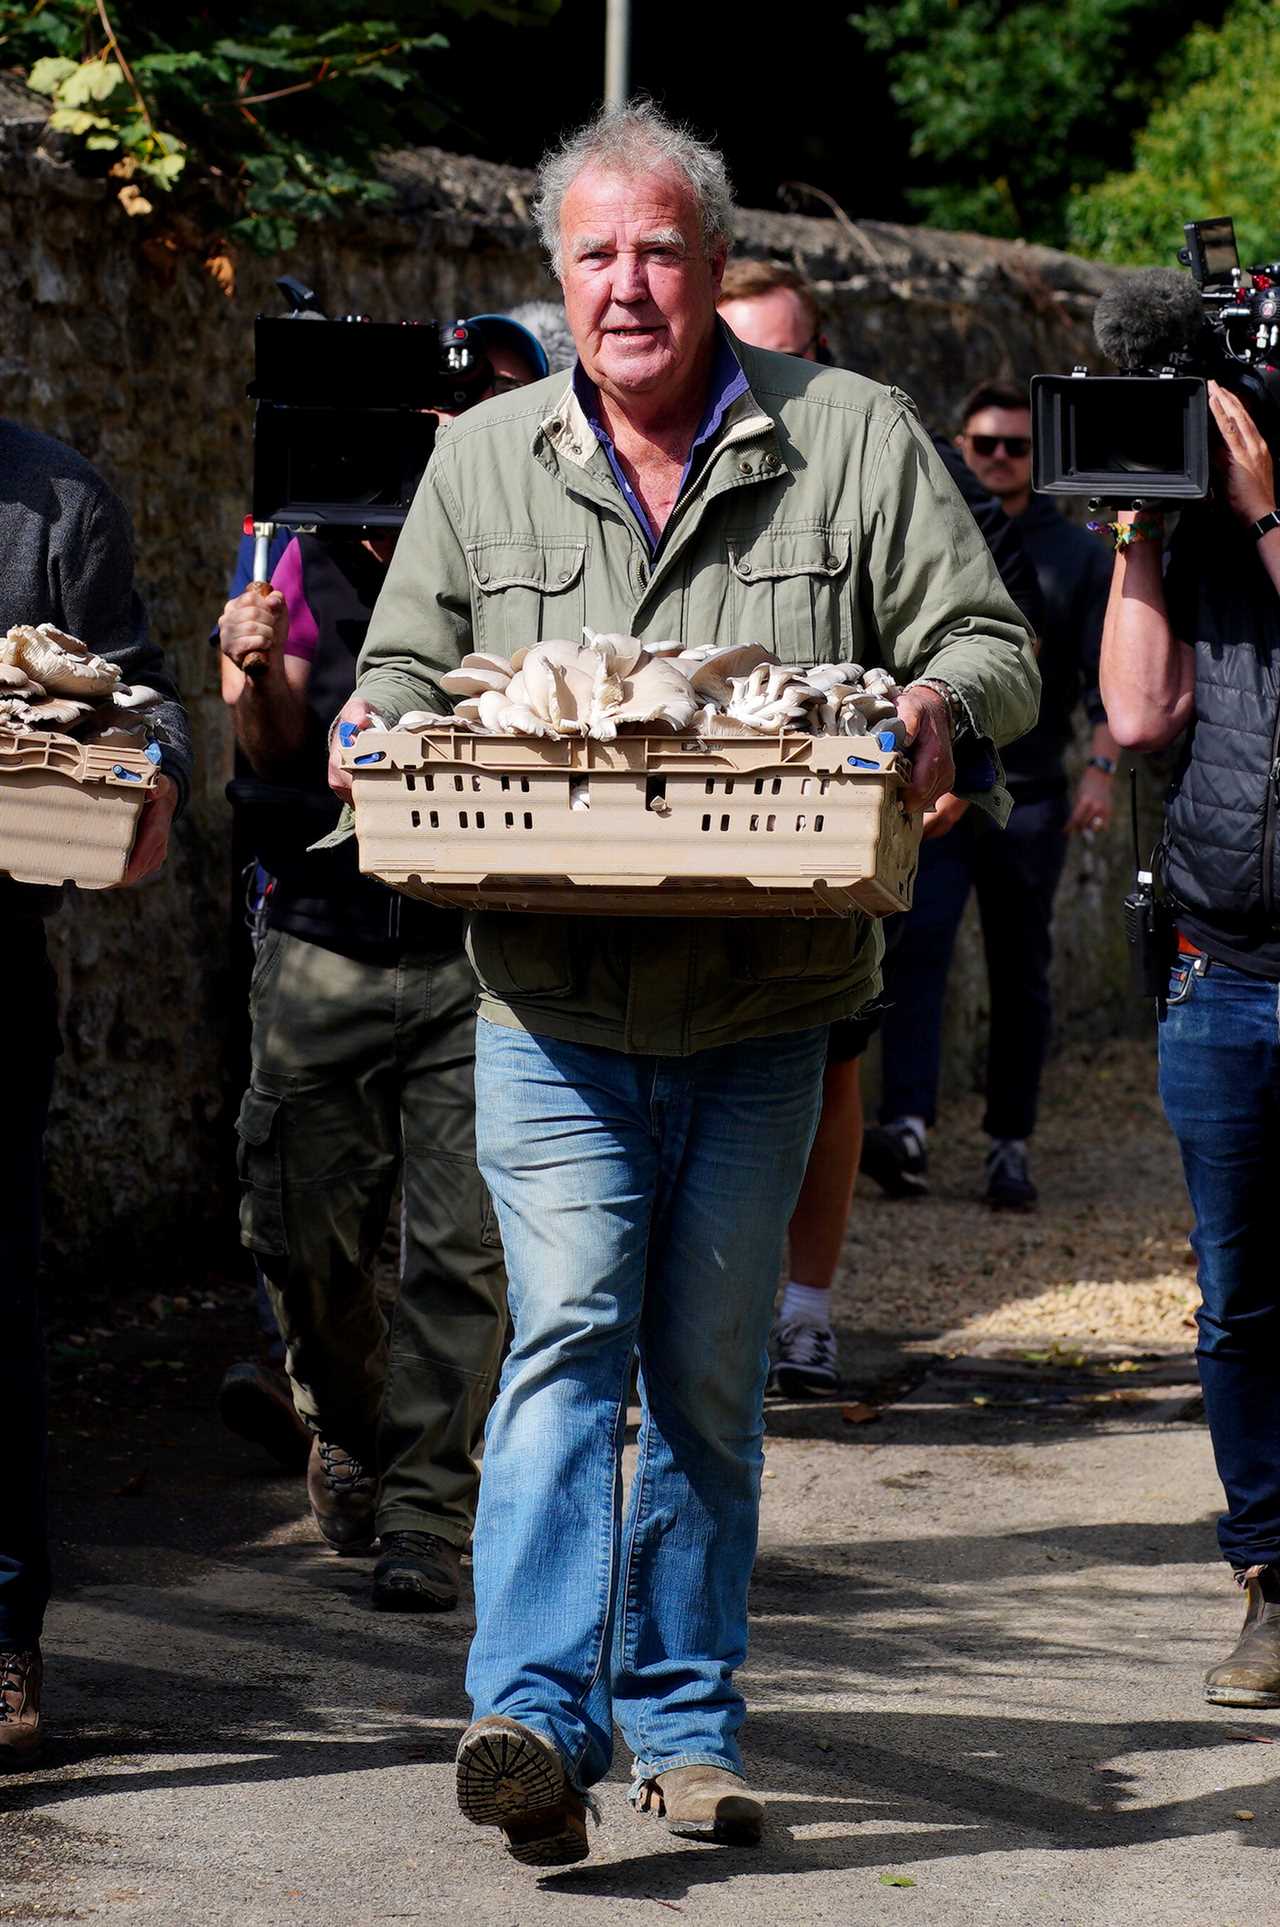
(362, 1074)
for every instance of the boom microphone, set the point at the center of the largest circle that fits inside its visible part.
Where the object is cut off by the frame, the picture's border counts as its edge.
(1154, 319)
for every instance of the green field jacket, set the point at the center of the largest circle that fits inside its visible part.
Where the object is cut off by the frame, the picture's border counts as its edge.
(820, 522)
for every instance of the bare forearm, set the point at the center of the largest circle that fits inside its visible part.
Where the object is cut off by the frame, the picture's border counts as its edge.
(270, 720)
(1147, 675)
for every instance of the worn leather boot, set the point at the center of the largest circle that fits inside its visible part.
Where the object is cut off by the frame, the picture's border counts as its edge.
(21, 1679)
(703, 1803)
(418, 1572)
(1250, 1676)
(343, 1497)
(510, 1777)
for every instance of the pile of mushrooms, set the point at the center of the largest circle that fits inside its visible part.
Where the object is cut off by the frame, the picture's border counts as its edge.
(609, 683)
(50, 681)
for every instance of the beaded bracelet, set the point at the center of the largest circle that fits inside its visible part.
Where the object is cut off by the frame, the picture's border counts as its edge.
(1123, 534)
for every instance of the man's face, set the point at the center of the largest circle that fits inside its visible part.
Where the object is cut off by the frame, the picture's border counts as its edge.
(639, 287)
(777, 319)
(985, 445)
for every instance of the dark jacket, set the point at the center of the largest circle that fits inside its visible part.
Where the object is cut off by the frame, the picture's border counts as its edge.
(1074, 572)
(66, 557)
(1218, 854)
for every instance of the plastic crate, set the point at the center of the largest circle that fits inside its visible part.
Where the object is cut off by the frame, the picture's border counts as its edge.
(69, 811)
(649, 825)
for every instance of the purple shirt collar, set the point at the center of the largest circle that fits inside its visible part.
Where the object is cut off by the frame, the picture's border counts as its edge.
(726, 384)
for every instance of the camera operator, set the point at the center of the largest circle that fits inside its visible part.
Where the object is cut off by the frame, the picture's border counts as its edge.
(1195, 651)
(362, 1010)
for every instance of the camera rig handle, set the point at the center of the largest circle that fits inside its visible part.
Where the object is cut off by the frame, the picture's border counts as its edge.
(255, 666)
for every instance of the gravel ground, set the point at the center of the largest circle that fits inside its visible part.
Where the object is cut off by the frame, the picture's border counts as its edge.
(1104, 1260)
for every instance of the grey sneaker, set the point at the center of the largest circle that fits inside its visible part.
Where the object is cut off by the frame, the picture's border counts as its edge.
(1009, 1186)
(804, 1359)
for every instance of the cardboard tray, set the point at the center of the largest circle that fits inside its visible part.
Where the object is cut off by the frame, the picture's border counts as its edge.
(69, 811)
(648, 825)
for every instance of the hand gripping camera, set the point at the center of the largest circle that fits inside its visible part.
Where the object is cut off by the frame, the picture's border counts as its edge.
(1143, 436)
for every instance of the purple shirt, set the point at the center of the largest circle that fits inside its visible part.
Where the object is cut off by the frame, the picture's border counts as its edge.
(726, 384)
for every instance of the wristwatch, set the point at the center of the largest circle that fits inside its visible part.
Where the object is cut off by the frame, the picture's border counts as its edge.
(1107, 764)
(1264, 524)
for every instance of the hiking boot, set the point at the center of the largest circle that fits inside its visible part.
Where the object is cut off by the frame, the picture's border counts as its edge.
(1009, 1186)
(703, 1803)
(417, 1573)
(894, 1156)
(804, 1359)
(21, 1679)
(510, 1777)
(343, 1496)
(256, 1404)
(1250, 1676)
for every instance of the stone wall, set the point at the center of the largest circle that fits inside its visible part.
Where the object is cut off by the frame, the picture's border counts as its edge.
(132, 352)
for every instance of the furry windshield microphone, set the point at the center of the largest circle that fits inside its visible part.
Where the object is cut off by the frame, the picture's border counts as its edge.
(1150, 320)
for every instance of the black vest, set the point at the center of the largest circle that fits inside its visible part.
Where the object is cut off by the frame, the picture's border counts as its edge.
(320, 894)
(1218, 854)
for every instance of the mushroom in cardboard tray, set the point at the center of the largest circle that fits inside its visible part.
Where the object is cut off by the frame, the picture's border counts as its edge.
(62, 664)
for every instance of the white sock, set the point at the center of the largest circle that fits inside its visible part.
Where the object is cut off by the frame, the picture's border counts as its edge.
(805, 1305)
(916, 1124)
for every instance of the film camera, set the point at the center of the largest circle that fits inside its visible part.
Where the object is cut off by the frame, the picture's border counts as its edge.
(1143, 436)
(341, 432)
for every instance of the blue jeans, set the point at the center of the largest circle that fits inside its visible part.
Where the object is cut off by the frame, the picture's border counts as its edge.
(1220, 1086)
(26, 981)
(1015, 873)
(643, 1203)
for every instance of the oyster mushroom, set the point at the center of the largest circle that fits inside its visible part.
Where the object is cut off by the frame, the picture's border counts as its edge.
(61, 663)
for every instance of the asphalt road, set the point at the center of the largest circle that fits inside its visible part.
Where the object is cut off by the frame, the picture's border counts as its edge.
(979, 1625)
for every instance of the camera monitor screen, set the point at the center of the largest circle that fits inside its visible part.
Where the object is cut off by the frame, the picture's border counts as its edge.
(1120, 437)
(1211, 250)
(340, 438)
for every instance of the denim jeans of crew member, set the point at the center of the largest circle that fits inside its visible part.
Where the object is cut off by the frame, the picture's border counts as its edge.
(1015, 873)
(362, 1076)
(1220, 1086)
(643, 1203)
(27, 983)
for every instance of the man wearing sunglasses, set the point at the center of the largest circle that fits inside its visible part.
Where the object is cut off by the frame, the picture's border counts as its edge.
(1015, 874)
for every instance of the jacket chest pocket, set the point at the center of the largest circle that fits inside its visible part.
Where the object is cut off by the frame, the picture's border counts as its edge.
(524, 591)
(789, 589)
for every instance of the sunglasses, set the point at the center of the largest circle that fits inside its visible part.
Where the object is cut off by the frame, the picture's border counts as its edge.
(1015, 445)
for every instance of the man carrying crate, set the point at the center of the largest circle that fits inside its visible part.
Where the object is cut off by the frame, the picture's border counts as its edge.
(647, 1090)
(66, 557)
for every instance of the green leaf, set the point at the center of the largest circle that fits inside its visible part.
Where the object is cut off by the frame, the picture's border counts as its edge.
(103, 143)
(93, 80)
(896, 1880)
(165, 170)
(72, 120)
(48, 74)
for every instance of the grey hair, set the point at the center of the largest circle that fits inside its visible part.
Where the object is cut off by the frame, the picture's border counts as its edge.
(546, 320)
(631, 140)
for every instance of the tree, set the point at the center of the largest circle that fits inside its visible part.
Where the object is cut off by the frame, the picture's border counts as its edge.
(1211, 147)
(264, 115)
(1011, 103)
